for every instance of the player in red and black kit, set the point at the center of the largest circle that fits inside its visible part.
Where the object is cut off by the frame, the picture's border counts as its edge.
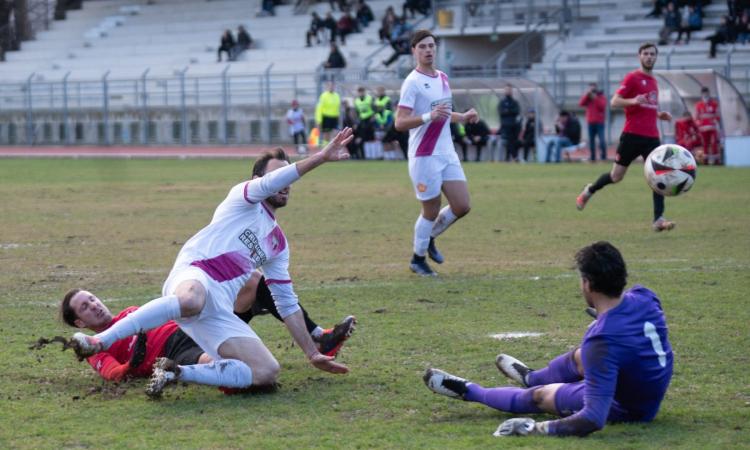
(639, 96)
(134, 357)
(707, 115)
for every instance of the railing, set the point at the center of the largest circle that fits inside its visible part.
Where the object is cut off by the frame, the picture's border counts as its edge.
(494, 14)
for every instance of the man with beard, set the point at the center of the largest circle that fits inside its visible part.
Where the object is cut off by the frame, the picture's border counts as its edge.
(639, 96)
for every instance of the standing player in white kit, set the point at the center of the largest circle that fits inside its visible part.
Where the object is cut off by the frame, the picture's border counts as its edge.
(210, 270)
(426, 110)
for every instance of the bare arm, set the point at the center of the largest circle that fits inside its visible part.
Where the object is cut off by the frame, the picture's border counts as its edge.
(405, 121)
(295, 323)
(334, 151)
(619, 102)
(470, 116)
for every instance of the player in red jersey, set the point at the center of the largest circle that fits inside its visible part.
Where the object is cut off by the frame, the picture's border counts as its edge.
(639, 96)
(686, 133)
(134, 357)
(708, 118)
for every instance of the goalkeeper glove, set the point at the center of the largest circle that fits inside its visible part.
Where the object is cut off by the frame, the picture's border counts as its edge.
(520, 427)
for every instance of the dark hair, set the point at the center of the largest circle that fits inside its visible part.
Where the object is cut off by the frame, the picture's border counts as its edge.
(259, 168)
(67, 314)
(646, 45)
(564, 113)
(421, 34)
(602, 265)
(705, 89)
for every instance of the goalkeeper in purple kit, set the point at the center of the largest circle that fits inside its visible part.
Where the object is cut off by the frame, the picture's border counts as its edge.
(620, 372)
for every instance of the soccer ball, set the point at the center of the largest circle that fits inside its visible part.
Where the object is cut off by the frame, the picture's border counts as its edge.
(670, 170)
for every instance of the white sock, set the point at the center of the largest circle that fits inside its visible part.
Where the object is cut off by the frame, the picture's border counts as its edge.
(422, 230)
(443, 221)
(231, 373)
(151, 315)
(317, 332)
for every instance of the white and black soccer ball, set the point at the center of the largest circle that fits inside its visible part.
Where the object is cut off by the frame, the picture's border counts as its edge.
(670, 170)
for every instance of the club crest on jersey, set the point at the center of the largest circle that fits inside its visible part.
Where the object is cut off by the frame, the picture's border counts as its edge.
(427, 85)
(643, 82)
(421, 187)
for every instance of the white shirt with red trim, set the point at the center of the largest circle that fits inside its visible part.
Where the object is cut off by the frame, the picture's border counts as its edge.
(242, 236)
(420, 93)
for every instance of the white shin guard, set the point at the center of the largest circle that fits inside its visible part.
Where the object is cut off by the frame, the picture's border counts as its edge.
(231, 373)
(422, 230)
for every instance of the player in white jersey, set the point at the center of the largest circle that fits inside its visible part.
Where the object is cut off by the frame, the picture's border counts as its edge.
(210, 270)
(426, 110)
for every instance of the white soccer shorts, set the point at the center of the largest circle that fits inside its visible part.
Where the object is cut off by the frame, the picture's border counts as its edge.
(216, 322)
(429, 172)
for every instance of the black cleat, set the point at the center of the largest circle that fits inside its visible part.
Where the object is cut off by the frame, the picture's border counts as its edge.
(419, 266)
(434, 253)
(332, 339)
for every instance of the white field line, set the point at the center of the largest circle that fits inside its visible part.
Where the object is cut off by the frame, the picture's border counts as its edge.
(381, 284)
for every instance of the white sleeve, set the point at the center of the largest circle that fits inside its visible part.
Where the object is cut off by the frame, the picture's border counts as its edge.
(279, 282)
(258, 189)
(408, 95)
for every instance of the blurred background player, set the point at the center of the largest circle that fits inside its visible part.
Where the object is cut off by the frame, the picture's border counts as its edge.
(295, 118)
(638, 94)
(596, 106)
(425, 109)
(620, 372)
(135, 356)
(686, 134)
(209, 272)
(708, 118)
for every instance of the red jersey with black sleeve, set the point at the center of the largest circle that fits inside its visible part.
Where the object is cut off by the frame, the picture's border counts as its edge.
(640, 119)
(114, 363)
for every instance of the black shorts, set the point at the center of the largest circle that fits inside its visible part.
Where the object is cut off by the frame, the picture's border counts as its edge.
(391, 135)
(632, 146)
(329, 123)
(181, 349)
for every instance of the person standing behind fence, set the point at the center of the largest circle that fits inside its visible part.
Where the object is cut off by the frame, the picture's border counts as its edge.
(508, 109)
(596, 106)
(328, 111)
(295, 118)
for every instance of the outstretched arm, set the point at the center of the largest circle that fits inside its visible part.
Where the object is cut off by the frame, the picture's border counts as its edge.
(334, 151)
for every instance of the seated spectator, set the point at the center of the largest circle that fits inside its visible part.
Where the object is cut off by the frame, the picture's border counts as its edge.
(527, 136)
(478, 134)
(414, 6)
(226, 45)
(335, 58)
(329, 23)
(400, 37)
(743, 28)
(657, 9)
(671, 23)
(568, 134)
(723, 35)
(386, 25)
(691, 21)
(244, 41)
(316, 26)
(268, 8)
(458, 134)
(364, 14)
(686, 134)
(345, 26)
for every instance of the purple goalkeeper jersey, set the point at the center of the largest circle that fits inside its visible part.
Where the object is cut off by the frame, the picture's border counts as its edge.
(627, 362)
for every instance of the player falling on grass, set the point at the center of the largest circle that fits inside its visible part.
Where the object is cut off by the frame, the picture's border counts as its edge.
(426, 110)
(210, 270)
(639, 96)
(135, 356)
(620, 372)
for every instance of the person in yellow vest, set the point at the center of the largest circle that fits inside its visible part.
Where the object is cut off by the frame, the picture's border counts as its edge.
(327, 112)
(363, 104)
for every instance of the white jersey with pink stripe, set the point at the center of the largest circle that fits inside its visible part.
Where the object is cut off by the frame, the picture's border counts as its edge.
(243, 235)
(420, 93)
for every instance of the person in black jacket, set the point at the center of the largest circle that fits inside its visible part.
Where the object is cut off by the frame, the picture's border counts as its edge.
(335, 58)
(527, 136)
(508, 109)
(568, 134)
(478, 134)
(227, 45)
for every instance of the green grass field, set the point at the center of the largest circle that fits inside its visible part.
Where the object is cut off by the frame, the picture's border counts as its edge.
(115, 226)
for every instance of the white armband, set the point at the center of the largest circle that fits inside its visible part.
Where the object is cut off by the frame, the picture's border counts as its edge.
(426, 117)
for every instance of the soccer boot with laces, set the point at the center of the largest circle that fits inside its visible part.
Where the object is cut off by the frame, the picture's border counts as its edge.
(332, 339)
(583, 197)
(165, 372)
(419, 266)
(513, 369)
(434, 253)
(443, 383)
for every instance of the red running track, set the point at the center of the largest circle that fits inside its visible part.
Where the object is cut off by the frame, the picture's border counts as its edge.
(249, 151)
